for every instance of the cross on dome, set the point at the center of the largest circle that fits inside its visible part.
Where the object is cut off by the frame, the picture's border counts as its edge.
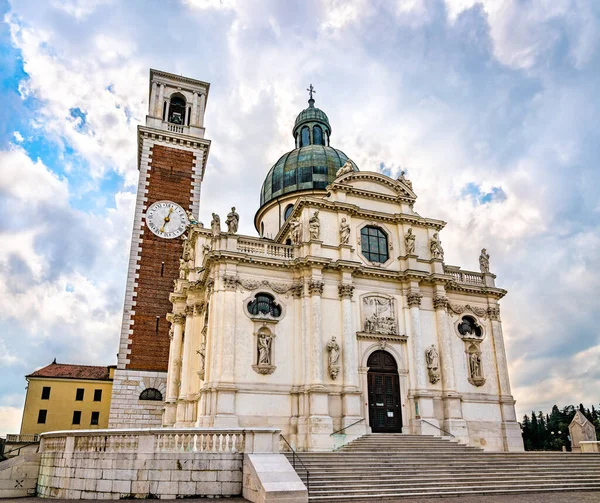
(311, 101)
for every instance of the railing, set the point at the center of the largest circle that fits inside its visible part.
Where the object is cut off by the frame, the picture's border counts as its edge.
(339, 439)
(294, 456)
(431, 424)
(268, 249)
(174, 128)
(346, 427)
(473, 278)
(162, 440)
(5, 455)
(29, 438)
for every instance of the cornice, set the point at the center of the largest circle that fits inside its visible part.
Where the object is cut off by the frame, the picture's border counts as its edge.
(173, 138)
(356, 211)
(178, 78)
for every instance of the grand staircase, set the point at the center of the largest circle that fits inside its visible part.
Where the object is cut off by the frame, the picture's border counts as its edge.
(392, 466)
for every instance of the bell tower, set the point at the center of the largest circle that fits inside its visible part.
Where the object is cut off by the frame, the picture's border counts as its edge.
(172, 154)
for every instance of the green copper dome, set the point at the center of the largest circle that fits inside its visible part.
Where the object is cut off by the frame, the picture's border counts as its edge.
(307, 168)
(312, 165)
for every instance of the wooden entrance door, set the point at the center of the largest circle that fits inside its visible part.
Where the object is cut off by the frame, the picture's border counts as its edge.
(385, 415)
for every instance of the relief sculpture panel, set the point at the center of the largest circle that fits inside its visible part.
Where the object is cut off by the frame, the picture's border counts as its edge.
(379, 315)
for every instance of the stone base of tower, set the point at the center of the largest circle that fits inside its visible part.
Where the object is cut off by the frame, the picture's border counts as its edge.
(126, 408)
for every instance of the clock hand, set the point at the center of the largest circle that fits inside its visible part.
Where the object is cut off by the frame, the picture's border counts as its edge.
(167, 219)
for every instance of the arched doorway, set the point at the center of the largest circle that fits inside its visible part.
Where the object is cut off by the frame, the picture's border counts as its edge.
(385, 415)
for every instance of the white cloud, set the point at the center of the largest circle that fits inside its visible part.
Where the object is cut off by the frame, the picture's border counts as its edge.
(10, 420)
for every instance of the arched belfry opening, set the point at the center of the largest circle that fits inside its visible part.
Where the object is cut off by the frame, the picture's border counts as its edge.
(385, 414)
(177, 113)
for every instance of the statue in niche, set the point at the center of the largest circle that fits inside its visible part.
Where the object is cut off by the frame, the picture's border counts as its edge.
(296, 231)
(314, 226)
(215, 224)
(334, 357)
(344, 232)
(346, 168)
(409, 242)
(233, 220)
(264, 349)
(379, 315)
(435, 246)
(484, 261)
(433, 364)
(475, 364)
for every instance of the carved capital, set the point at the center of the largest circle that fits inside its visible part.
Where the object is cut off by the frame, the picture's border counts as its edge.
(315, 288)
(297, 289)
(199, 308)
(493, 313)
(440, 302)
(346, 291)
(414, 299)
(179, 318)
(230, 282)
(189, 310)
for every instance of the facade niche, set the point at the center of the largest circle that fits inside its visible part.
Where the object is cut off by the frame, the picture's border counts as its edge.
(264, 351)
(474, 365)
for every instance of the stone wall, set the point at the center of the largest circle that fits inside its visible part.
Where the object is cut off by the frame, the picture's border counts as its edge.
(126, 410)
(160, 463)
(102, 475)
(18, 476)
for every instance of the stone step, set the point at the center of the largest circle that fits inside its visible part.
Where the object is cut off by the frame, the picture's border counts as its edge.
(349, 479)
(465, 489)
(433, 494)
(448, 482)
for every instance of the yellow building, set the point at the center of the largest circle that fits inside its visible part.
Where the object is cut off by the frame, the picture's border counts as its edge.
(67, 397)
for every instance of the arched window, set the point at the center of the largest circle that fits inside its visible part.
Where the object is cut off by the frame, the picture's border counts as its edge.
(469, 327)
(288, 210)
(374, 244)
(151, 394)
(304, 137)
(177, 110)
(318, 136)
(264, 303)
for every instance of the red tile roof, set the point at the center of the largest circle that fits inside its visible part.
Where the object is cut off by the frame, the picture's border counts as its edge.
(66, 371)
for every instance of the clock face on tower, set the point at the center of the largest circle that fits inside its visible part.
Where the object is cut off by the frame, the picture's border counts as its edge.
(166, 219)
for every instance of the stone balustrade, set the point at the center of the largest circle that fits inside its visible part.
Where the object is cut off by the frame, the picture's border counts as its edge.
(264, 248)
(162, 440)
(22, 438)
(470, 277)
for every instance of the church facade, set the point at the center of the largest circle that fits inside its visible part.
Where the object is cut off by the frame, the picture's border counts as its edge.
(340, 315)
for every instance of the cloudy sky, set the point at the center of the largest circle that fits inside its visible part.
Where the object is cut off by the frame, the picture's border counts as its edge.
(492, 106)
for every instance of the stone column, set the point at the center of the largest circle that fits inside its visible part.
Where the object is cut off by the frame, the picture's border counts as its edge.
(440, 303)
(453, 417)
(315, 289)
(351, 395)
(174, 374)
(425, 423)
(187, 113)
(185, 369)
(225, 416)
(194, 117)
(414, 304)
(349, 343)
(167, 110)
(153, 99)
(320, 422)
(511, 432)
(159, 104)
(201, 111)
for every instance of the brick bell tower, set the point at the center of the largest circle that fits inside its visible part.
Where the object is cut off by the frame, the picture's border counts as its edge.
(172, 154)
